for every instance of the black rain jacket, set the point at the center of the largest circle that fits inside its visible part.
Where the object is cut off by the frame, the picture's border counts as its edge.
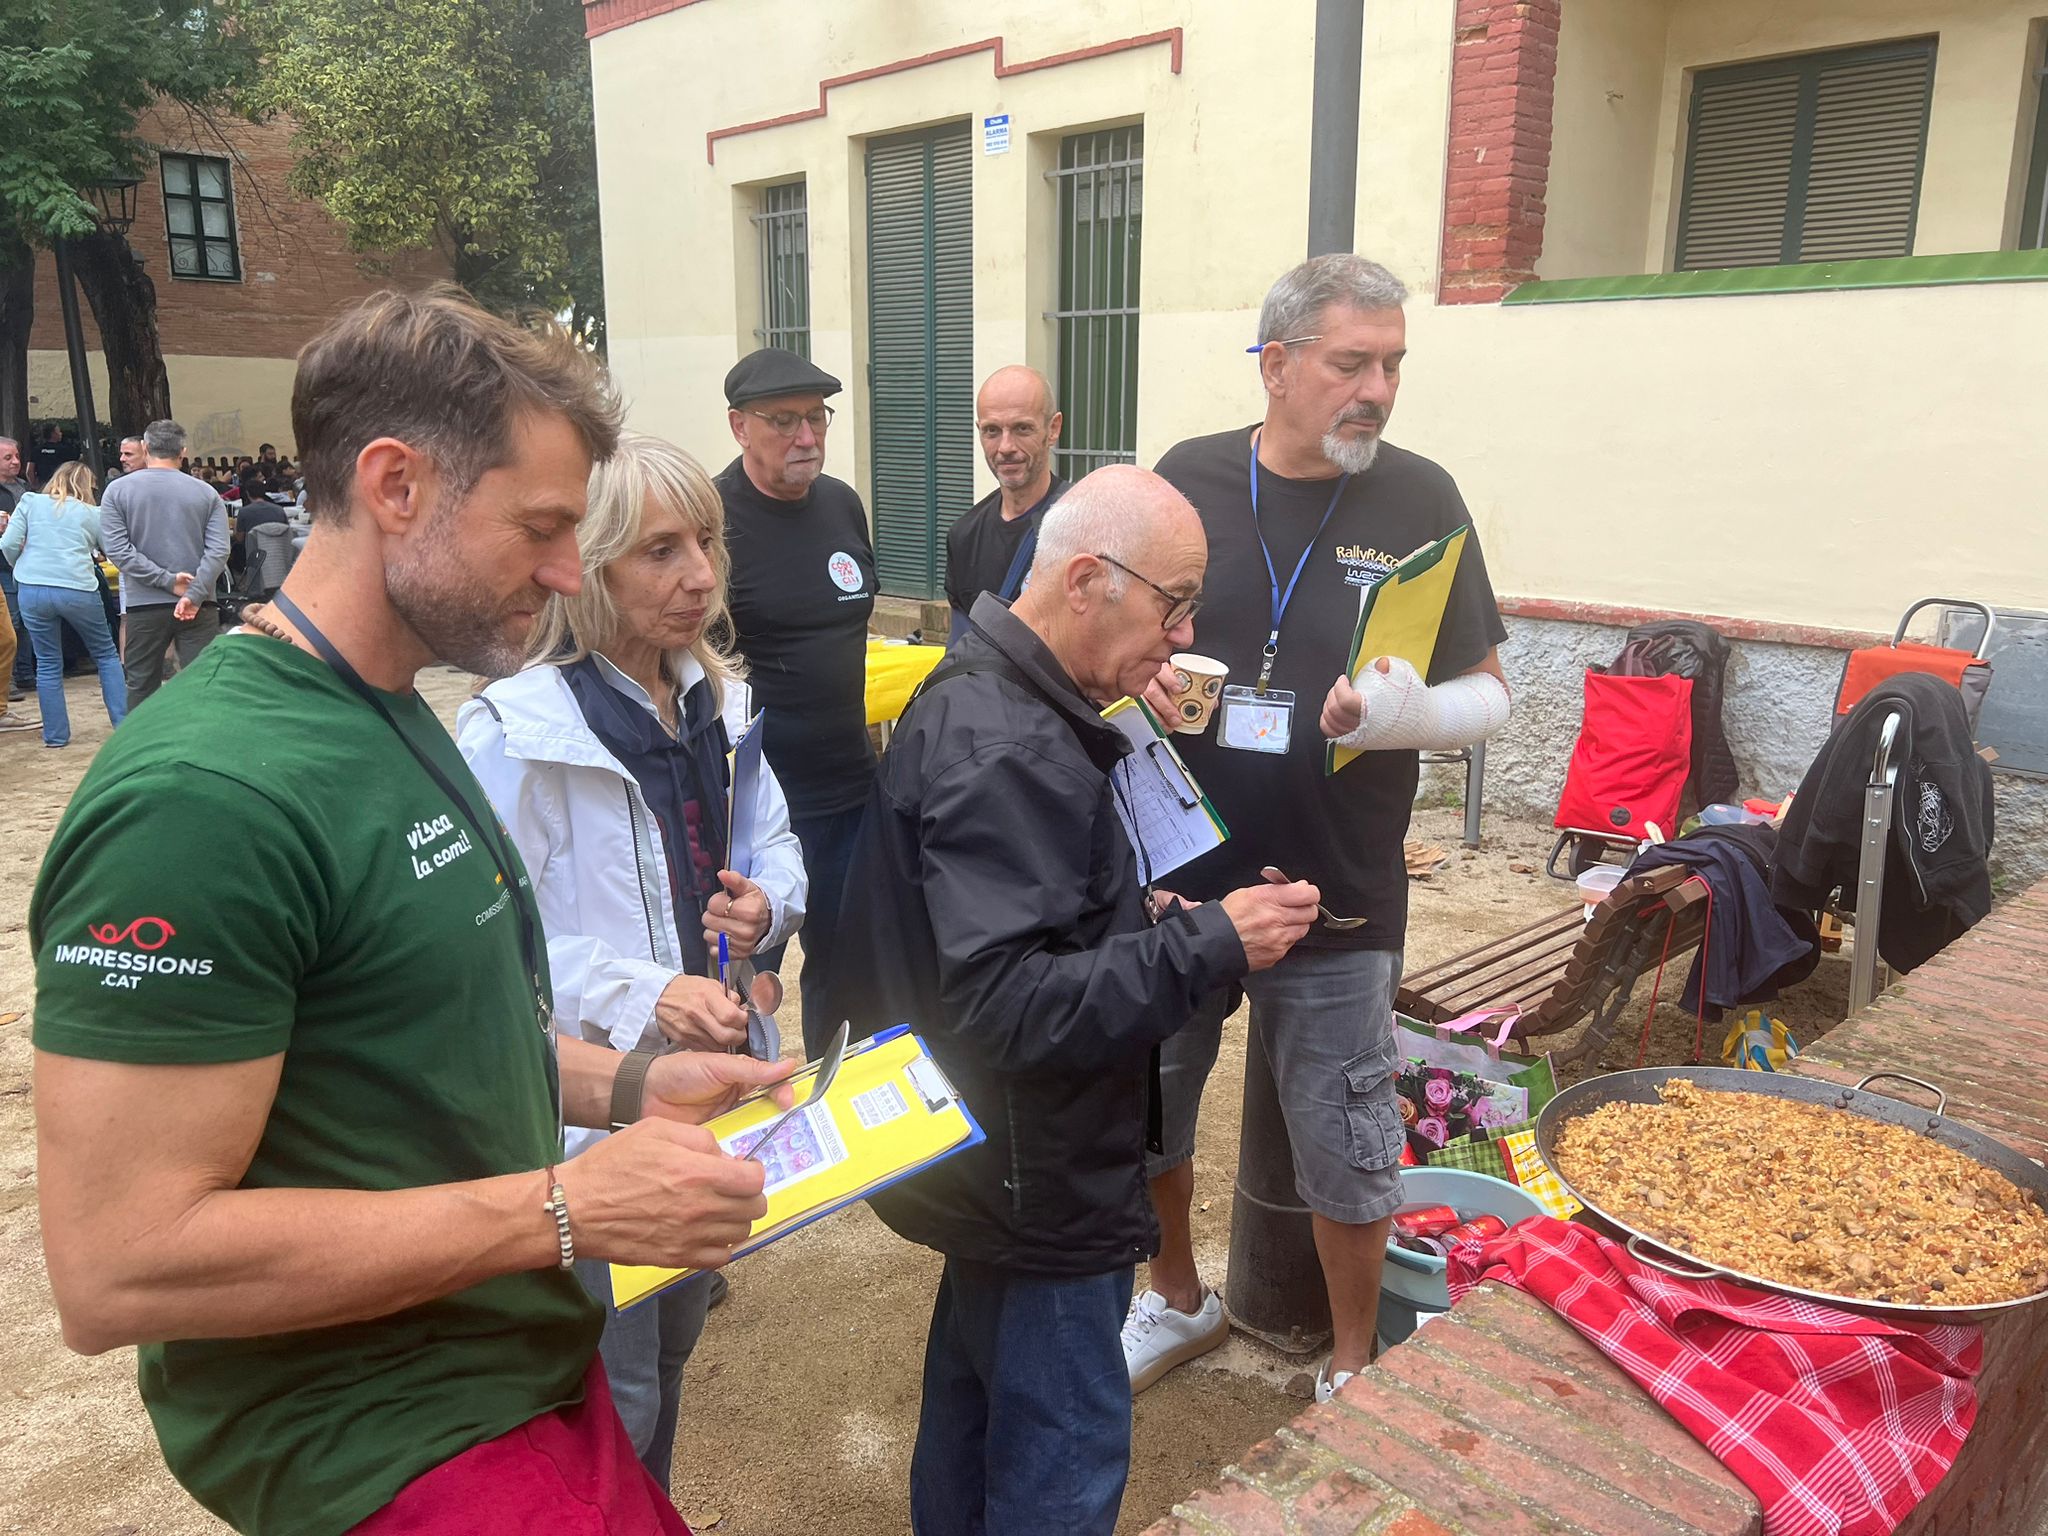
(993, 904)
(1937, 878)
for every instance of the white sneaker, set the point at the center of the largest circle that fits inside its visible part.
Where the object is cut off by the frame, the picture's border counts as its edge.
(1327, 1384)
(15, 720)
(1158, 1337)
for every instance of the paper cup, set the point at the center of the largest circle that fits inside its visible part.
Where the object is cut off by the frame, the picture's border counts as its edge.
(1197, 685)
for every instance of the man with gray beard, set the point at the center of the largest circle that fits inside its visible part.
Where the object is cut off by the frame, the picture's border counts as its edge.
(1303, 513)
(802, 590)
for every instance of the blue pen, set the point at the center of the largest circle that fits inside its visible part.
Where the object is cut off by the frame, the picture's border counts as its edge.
(724, 959)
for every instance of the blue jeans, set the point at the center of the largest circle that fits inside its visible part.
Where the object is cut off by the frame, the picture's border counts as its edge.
(46, 610)
(827, 842)
(1026, 1421)
(644, 1348)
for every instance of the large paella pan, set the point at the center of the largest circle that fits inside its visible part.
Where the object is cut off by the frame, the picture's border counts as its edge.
(1642, 1087)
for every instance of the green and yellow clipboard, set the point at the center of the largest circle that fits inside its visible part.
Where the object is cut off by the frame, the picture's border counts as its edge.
(1401, 616)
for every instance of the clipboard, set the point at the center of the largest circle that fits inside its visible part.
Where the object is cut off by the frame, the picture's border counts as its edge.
(1165, 814)
(887, 1113)
(1400, 615)
(746, 796)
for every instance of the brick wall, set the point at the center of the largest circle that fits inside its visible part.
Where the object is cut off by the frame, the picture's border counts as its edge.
(297, 269)
(1503, 70)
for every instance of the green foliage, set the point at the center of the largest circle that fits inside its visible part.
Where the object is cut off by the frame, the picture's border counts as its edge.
(73, 76)
(459, 125)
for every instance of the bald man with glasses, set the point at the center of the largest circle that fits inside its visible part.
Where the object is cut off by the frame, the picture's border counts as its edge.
(802, 592)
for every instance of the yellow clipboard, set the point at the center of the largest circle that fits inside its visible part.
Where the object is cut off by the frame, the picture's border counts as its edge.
(889, 1113)
(1401, 616)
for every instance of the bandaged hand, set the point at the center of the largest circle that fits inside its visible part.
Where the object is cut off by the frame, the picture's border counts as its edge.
(1390, 708)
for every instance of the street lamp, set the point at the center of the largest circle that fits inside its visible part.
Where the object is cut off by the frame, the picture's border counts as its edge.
(114, 200)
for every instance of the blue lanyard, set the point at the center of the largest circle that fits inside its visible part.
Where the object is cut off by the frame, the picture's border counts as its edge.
(1282, 599)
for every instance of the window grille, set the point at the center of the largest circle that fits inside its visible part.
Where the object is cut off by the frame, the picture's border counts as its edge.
(1101, 187)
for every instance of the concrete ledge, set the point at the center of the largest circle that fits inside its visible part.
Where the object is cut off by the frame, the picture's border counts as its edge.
(1616, 616)
(1499, 1417)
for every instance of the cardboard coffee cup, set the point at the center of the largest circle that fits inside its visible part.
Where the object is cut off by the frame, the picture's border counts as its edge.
(1197, 685)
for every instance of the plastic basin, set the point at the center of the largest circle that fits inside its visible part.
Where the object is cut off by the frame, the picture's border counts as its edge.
(1598, 883)
(1412, 1286)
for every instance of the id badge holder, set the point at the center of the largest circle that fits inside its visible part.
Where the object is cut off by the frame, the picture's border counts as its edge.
(1250, 721)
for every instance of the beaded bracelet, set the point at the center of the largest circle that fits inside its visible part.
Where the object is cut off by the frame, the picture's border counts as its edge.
(558, 1207)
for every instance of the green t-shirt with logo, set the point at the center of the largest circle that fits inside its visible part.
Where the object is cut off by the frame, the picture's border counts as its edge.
(256, 865)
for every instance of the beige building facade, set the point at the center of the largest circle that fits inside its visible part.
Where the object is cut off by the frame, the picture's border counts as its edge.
(1790, 451)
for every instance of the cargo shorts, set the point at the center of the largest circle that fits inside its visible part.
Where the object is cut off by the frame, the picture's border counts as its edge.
(1325, 1018)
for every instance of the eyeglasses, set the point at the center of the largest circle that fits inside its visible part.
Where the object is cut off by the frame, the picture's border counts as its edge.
(1283, 341)
(785, 422)
(1179, 607)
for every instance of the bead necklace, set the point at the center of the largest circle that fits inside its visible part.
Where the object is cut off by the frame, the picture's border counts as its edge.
(256, 618)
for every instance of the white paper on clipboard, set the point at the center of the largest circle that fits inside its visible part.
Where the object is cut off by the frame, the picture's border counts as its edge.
(1165, 814)
(746, 798)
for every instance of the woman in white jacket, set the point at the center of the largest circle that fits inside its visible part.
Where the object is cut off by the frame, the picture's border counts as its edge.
(606, 757)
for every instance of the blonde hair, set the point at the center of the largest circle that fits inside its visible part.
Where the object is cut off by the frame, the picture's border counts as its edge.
(72, 482)
(642, 471)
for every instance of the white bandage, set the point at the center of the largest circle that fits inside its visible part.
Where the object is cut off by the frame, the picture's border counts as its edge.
(1403, 713)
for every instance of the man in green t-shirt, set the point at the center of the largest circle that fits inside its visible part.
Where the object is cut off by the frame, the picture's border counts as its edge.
(298, 1119)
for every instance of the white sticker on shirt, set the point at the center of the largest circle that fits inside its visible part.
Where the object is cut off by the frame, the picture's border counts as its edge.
(844, 570)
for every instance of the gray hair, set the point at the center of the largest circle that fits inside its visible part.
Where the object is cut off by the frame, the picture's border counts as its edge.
(1295, 304)
(163, 440)
(1103, 513)
(135, 437)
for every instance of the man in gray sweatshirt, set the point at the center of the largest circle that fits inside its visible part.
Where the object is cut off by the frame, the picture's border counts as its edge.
(168, 533)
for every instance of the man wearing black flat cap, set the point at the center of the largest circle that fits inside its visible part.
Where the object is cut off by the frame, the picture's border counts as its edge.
(802, 590)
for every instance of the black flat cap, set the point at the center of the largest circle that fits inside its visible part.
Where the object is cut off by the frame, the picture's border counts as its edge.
(776, 371)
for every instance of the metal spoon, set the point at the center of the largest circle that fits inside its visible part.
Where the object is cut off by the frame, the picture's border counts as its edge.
(828, 1068)
(1330, 919)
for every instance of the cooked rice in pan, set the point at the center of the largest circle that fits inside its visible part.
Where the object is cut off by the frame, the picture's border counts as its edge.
(1810, 1196)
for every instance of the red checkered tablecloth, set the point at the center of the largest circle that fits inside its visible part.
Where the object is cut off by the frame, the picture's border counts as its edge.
(1839, 1423)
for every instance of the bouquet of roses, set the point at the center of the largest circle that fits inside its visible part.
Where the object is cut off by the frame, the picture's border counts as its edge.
(1440, 1104)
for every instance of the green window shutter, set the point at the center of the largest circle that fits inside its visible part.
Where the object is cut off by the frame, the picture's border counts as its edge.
(1815, 158)
(2034, 211)
(1738, 172)
(1869, 138)
(920, 351)
(954, 446)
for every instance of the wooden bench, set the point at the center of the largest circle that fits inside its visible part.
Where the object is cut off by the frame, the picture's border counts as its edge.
(1562, 969)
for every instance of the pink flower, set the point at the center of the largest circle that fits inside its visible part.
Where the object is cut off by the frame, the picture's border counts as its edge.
(1432, 1130)
(1438, 1092)
(1488, 1113)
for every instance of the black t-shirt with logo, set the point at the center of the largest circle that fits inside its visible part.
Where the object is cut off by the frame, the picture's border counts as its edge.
(803, 588)
(1342, 831)
(981, 545)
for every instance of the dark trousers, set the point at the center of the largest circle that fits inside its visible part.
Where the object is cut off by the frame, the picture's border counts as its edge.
(1026, 1421)
(150, 630)
(828, 849)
